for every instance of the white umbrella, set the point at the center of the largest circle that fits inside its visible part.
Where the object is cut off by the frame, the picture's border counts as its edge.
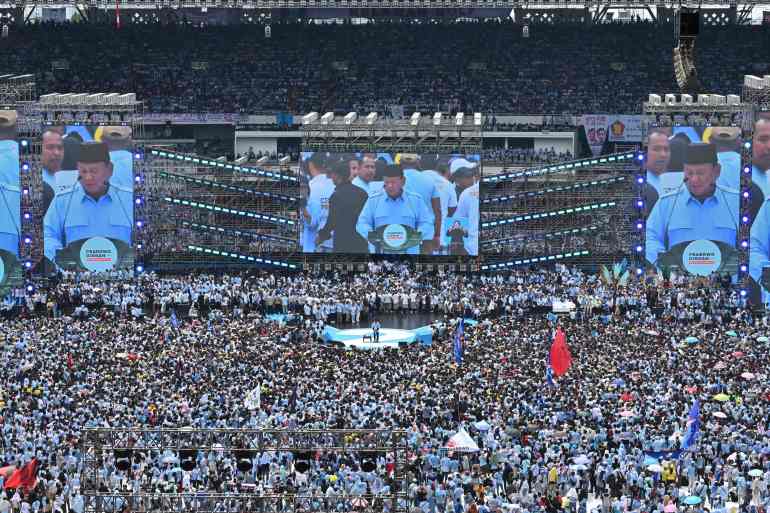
(482, 425)
(462, 442)
(755, 472)
(719, 415)
(581, 460)
(747, 375)
(655, 468)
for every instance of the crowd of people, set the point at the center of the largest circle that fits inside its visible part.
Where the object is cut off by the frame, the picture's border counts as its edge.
(164, 351)
(525, 156)
(302, 67)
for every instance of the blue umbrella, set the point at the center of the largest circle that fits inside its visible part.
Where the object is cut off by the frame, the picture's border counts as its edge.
(692, 500)
(691, 340)
(649, 460)
(619, 382)
(731, 333)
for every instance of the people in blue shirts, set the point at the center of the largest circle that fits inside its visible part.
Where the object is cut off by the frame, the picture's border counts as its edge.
(395, 205)
(700, 209)
(422, 184)
(93, 207)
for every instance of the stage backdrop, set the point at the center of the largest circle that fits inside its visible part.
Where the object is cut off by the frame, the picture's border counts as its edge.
(11, 275)
(692, 200)
(88, 181)
(390, 203)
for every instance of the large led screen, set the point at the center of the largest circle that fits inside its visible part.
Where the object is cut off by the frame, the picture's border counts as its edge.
(87, 174)
(692, 199)
(384, 203)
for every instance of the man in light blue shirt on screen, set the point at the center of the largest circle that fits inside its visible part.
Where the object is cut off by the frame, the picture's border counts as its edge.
(395, 205)
(424, 186)
(759, 253)
(701, 209)
(657, 158)
(367, 171)
(10, 191)
(93, 207)
(760, 156)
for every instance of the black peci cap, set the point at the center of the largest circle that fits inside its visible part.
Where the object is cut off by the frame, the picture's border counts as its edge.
(393, 171)
(92, 152)
(700, 153)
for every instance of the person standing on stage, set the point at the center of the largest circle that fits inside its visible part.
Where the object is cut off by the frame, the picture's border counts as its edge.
(376, 331)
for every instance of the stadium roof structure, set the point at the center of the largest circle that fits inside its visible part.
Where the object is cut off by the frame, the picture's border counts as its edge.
(368, 4)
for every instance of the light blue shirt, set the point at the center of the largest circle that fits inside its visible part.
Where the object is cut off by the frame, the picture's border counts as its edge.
(759, 177)
(730, 173)
(9, 163)
(369, 188)
(685, 218)
(759, 247)
(10, 218)
(122, 168)
(422, 185)
(321, 188)
(10, 197)
(49, 178)
(407, 209)
(73, 215)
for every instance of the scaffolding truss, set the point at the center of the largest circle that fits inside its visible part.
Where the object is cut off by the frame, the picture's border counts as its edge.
(99, 446)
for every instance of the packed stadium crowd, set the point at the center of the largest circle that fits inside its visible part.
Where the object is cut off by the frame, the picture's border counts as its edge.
(482, 67)
(113, 351)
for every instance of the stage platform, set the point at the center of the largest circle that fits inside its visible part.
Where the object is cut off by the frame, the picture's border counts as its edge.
(361, 338)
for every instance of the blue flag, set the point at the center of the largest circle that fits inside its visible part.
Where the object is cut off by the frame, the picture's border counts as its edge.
(549, 373)
(458, 345)
(693, 425)
(174, 320)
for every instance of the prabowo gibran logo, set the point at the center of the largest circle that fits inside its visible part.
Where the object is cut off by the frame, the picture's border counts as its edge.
(98, 254)
(701, 257)
(394, 236)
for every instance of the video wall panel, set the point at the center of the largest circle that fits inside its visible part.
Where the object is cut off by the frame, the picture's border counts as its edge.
(383, 203)
(692, 199)
(88, 183)
(11, 275)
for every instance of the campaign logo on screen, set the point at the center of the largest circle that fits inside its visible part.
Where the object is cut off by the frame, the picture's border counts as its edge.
(394, 236)
(98, 254)
(701, 257)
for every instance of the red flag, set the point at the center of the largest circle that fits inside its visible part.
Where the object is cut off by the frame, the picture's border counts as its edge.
(561, 359)
(70, 363)
(23, 477)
